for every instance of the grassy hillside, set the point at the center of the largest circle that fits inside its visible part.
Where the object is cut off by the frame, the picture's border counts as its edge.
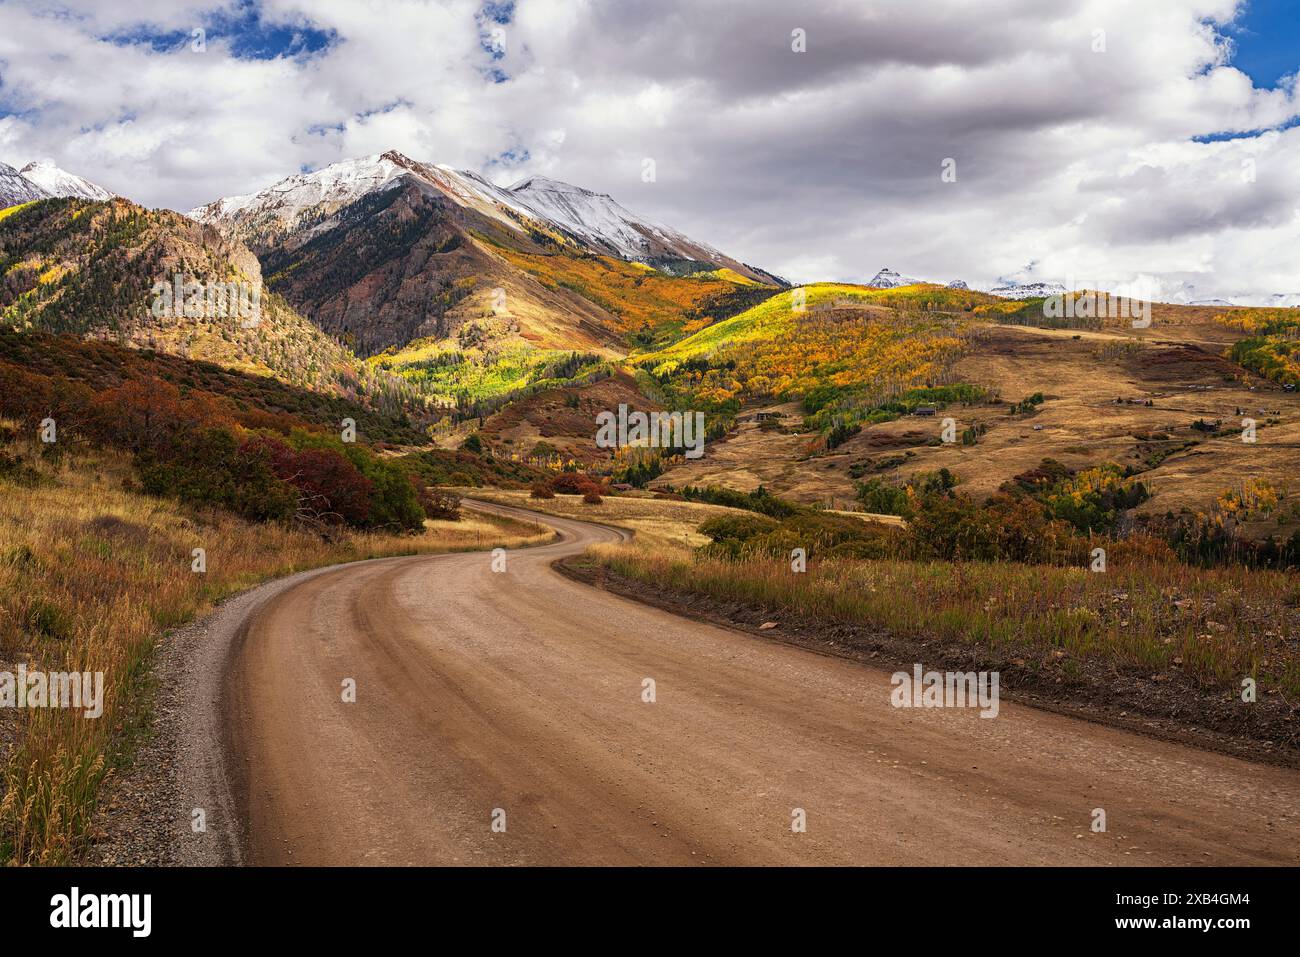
(499, 357)
(648, 306)
(780, 314)
(471, 377)
(841, 349)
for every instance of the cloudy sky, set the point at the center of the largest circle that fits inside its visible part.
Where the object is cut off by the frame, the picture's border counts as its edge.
(1098, 142)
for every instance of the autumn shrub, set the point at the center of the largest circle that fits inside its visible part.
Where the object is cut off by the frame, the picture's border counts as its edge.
(592, 496)
(573, 483)
(393, 499)
(149, 416)
(1005, 528)
(542, 489)
(394, 504)
(878, 496)
(731, 535)
(817, 534)
(454, 467)
(840, 432)
(759, 500)
(330, 490)
(209, 467)
(31, 399)
(189, 445)
(740, 528)
(1139, 548)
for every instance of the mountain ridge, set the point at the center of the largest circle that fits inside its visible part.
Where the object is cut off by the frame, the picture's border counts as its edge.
(584, 220)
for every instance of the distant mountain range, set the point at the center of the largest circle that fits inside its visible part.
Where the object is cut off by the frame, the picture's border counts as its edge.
(557, 216)
(1187, 296)
(1011, 289)
(889, 279)
(432, 266)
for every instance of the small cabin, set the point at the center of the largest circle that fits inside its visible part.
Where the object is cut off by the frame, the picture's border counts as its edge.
(925, 410)
(767, 417)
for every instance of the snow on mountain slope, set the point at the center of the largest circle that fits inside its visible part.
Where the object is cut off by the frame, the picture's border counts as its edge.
(16, 188)
(1030, 290)
(59, 182)
(307, 201)
(471, 189)
(288, 202)
(599, 221)
(1281, 300)
(888, 279)
(590, 221)
(1190, 294)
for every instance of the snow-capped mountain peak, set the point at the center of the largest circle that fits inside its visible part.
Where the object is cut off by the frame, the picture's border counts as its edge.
(16, 188)
(1009, 289)
(590, 220)
(288, 200)
(59, 182)
(889, 279)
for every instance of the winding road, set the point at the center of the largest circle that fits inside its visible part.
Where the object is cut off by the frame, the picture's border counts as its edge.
(499, 719)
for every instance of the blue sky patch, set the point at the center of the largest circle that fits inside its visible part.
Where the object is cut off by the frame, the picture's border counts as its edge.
(1267, 38)
(1245, 134)
(250, 36)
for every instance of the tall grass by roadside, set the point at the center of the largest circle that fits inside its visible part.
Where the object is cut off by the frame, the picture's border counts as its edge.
(1217, 625)
(90, 576)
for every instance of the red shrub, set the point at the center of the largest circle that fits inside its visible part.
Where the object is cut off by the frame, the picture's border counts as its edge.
(330, 489)
(147, 415)
(542, 490)
(571, 483)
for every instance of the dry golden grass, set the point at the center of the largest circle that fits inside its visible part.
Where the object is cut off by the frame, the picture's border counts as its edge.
(90, 575)
(1217, 626)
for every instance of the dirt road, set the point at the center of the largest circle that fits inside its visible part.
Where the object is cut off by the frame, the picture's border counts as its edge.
(515, 698)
